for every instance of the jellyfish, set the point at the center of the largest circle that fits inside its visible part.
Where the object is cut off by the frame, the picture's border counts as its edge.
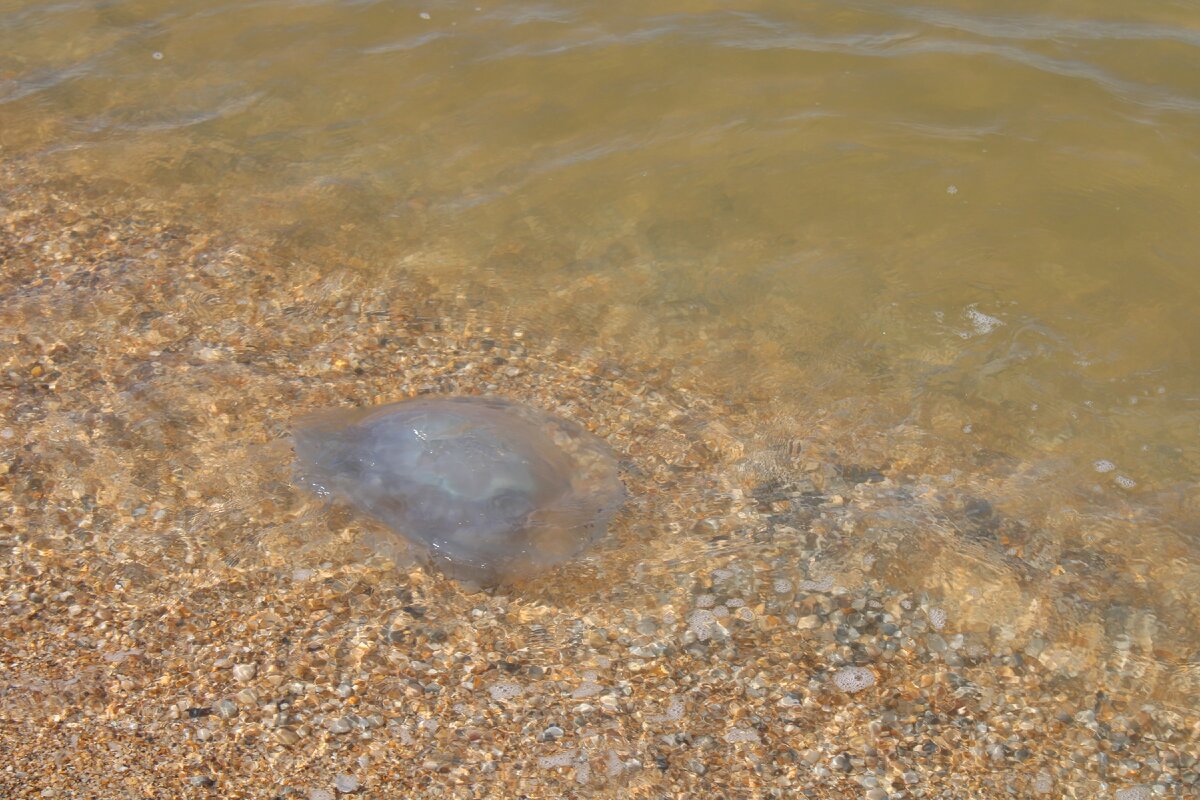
(486, 489)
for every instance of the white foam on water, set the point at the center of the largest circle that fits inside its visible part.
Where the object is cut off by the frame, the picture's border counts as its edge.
(1043, 783)
(1103, 465)
(506, 691)
(981, 322)
(588, 689)
(674, 711)
(704, 623)
(937, 618)
(739, 735)
(853, 679)
(823, 585)
(563, 759)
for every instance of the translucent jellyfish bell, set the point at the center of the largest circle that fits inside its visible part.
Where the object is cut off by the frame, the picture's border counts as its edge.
(487, 489)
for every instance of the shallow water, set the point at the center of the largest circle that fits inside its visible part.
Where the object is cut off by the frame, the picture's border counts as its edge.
(923, 271)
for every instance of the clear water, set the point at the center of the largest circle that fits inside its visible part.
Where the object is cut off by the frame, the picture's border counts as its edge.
(939, 254)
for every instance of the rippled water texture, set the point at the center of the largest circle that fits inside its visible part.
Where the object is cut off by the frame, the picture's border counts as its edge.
(932, 264)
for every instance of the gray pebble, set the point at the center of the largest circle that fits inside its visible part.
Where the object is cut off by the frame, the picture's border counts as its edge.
(339, 725)
(652, 650)
(346, 784)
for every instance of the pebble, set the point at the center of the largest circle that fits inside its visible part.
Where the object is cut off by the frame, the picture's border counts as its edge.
(226, 709)
(346, 784)
(653, 650)
(245, 672)
(339, 725)
(287, 736)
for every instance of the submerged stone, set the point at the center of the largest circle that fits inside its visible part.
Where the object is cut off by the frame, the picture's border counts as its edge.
(487, 489)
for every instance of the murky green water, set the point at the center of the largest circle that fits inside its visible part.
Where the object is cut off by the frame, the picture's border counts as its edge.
(934, 238)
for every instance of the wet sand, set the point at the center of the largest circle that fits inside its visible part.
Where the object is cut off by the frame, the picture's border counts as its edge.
(178, 621)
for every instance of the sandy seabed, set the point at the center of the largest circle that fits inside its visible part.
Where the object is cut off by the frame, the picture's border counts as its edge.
(177, 621)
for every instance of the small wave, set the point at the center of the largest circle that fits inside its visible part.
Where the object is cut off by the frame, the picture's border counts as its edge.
(1029, 27)
(14, 89)
(405, 44)
(769, 35)
(167, 121)
(754, 32)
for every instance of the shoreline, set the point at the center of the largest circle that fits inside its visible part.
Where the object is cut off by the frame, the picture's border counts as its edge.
(178, 622)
